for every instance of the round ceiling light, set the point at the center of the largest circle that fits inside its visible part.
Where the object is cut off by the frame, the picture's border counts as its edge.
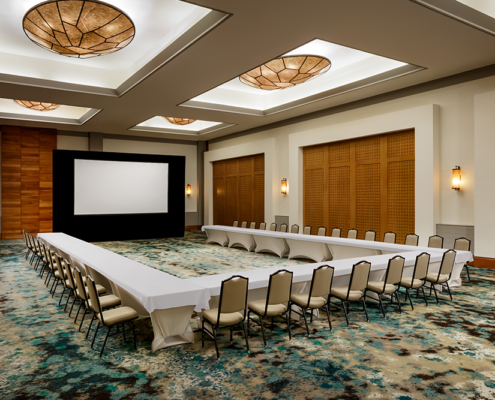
(179, 121)
(37, 105)
(79, 29)
(285, 72)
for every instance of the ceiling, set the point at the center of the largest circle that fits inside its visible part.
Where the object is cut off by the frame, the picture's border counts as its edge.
(186, 53)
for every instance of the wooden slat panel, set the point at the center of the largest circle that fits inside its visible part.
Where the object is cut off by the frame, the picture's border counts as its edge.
(368, 202)
(245, 203)
(339, 198)
(400, 144)
(259, 198)
(314, 156)
(339, 152)
(30, 179)
(368, 149)
(48, 142)
(231, 200)
(11, 180)
(219, 197)
(259, 165)
(314, 197)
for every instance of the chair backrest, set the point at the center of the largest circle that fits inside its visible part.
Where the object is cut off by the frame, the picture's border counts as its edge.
(244, 224)
(79, 282)
(448, 261)
(370, 235)
(273, 226)
(389, 237)
(236, 224)
(283, 228)
(336, 232)
(394, 270)
(421, 266)
(25, 238)
(307, 230)
(279, 287)
(70, 276)
(359, 276)
(59, 268)
(462, 244)
(294, 229)
(93, 295)
(352, 234)
(252, 225)
(233, 295)
(262, 226)
(435, 241)
(412, 240)
(322, 231)
(321, 283)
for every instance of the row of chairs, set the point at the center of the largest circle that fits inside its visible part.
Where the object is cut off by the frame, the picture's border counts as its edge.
(412, 239)
(106, 309)
(235, 311)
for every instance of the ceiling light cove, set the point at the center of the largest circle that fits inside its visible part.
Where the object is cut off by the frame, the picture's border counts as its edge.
(37, 105)
(78, 29)
(286, 72)
(179, 121)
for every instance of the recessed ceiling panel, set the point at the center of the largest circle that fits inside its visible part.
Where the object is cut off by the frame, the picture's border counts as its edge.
(161, 125)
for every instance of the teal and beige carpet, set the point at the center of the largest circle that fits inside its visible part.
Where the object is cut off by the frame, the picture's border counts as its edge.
(441, 352)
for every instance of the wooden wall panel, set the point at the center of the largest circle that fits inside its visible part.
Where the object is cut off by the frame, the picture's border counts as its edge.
(365, 183)
(26, 180)
(243, 182)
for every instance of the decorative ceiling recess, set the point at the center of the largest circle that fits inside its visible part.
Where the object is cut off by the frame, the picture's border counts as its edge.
(179, 121)
(37, 105)
(79, 29)
(286, 72)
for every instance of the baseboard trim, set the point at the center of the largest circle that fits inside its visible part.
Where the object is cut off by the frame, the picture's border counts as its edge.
(483, 262)
(192, 227)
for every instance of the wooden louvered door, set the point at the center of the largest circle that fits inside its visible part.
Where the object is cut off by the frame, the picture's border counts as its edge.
(366, 183)
(239, 190)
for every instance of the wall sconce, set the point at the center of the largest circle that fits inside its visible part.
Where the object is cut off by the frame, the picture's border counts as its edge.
(188, 189)
(456, 178)
(284, 186)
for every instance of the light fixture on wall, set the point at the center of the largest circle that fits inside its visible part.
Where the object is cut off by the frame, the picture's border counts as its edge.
(188, 189)
(37, 105)
(179, 121)
(285, 72)
(456, 178)
(284, 186)
(78, 29)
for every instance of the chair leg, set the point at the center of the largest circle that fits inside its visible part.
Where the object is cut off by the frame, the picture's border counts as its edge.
(133, 335)
(345, 312)
(435, 290)
(448, 288)
(398, 302)
(231, 329)
(216, 344)
(246, 335)
(328, 316)
(410, 300)
(203, 333)
(263, 330)
(61, 296)
(305, 319)
(78, 310)
(94, 337)
(82, 319)
(467, 270)
(105, 341)
(73, 302)
(381, 305)
(56, 286)
(424, 295)
(365, 310)
(287, 318)
(90, 325)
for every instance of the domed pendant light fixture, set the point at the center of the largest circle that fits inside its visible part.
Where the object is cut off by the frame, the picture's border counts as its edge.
(179, 121)
(79, 29)
(285, 72)
(37, 105)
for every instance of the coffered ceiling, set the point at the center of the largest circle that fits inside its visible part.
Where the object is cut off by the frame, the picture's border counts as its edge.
(186, 57)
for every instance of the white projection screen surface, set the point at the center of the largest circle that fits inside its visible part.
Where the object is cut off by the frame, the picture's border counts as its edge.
(120, 187)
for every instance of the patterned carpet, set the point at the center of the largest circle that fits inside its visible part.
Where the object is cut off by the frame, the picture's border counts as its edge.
(441, 352)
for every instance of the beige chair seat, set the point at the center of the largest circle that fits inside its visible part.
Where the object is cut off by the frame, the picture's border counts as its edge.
(273, 309)
(226, 319)
(117, 315)
(99, 288)
(57, 274)
(301, 300)
(407, 282)
(107, 301)
(377, 287)
(432, 277)
(341, 293)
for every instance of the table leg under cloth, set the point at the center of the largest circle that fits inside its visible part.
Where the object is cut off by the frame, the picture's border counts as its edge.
(215, 236)
(340, 252)
(271, 244)
(316, 251)
(241, 240)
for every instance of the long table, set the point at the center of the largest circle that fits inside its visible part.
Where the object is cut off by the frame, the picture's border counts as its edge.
(168, 300)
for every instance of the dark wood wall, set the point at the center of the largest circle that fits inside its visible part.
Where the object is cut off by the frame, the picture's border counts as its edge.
(27, 180)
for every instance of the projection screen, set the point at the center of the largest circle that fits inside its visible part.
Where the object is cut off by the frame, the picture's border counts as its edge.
(120, 187)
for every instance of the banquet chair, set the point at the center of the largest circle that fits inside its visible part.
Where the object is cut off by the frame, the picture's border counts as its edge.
(463, 244)
(390, 285)
(235, 224)
(244, 224)
(279, 291)
(444, 273)
(231, 310)
(110, 318)
(389, 237)
(355, 292)
(435, 241)
(69, 280)
(59, 276)
(262, 226)
(252, 225)
(307, 230)
(352, 234)
(370, 235)
(322, 231)
(294, 229)
(32, 245)
(336, 232)
(273, 226)
(411, 239)
(418, 279)
(283, 228)
(321, 286)
(28, 244)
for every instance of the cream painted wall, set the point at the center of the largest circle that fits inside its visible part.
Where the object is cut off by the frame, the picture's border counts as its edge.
(189, 151)
(72, 143)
